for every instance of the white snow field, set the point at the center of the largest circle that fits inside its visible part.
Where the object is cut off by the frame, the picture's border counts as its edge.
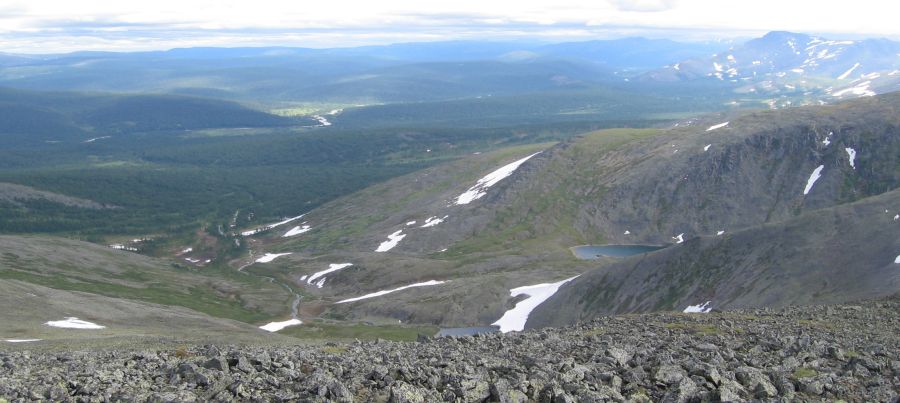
(514, 319)
(816, 174)
(702, 308)
(480, 189)
(276, 326)
(268, 257)
(74, 323)
(393, 240)
(385, 292)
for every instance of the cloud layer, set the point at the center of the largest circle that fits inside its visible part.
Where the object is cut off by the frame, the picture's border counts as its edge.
(41, 26)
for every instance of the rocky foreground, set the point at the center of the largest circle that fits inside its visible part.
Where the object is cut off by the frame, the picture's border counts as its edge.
(849, 352)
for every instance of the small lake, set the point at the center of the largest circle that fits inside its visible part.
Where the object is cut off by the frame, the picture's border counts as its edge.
(589, 252)
(466, 331)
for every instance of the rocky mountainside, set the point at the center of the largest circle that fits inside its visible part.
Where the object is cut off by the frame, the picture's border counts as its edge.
(797, 65)
(769, 171)
(829, 255)
(813, 353)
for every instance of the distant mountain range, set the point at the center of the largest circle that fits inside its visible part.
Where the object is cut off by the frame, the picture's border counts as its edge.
(797, 64)
(789, 67)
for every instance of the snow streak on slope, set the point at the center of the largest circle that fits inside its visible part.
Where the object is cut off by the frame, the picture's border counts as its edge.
(702, 308)
(296, 231)
(276, 326)
(816, 174)
(847, 73)
(851, 153)
(432, 221)
(331, 269)
(514, 319)
(268, 257)
(491, 179)
(270, 226)
(861, 89)
(74, 323)
(718, 126)
(385, 292)
(393, 240)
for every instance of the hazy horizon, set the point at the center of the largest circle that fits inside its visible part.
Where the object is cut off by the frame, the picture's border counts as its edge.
(53, 26)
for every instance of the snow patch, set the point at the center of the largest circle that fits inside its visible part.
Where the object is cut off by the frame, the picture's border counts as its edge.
(385, 292)
(627, 232)
(707, 147)
(276, 326)
(270, 226)
(432, 221)
(896, 217)
(897, 259)
(677, 66)
(187, 250)
(679, 238)
(96, 138)
(718, 126)
(861, 89)
(410, 223)
(21, 340)
(816, 174)
(491, 179)
(74, 323)
(297, 231)
(851, 153)
(514, 319)
(268, 257)
(827, 140)
(331, 269)
(702, 308)
(393, 240)
(848, 72)
(720, 232)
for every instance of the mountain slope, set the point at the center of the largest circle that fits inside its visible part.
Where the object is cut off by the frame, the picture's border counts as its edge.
(33, 117)
(797, 68)
(833, 255)
(125, 321)
(617, 186)
(77, 266)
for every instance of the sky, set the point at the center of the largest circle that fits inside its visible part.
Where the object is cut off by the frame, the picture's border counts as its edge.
(49, 26)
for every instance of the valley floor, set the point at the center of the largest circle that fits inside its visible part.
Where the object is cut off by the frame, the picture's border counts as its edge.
(842, 352)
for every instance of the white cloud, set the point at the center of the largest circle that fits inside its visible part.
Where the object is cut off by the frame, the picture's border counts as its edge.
(142, 24)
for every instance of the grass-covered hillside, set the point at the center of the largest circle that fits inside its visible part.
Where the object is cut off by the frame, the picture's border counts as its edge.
(627, 186)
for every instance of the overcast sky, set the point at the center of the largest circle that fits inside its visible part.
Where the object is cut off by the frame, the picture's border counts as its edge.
(44, 26)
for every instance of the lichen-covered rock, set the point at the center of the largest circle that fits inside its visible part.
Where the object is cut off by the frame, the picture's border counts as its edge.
(759, 355)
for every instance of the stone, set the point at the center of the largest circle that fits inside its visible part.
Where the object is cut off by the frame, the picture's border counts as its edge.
(502, 392)
(406, 393)
(730, 391)
(669, 374)
(217, 363)
(812, 386)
